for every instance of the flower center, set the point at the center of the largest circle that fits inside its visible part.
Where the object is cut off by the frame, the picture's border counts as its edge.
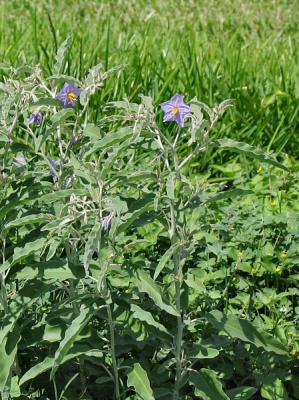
(71, 96)
(175, 110)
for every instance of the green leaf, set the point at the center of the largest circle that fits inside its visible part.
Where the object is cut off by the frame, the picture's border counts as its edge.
(93, 132)
(55, 269)
(137, 208)
(91, 245)
(241, 393)
(77, 325)
(8, 351)
(63, 78)
(28, 219)
(20, 253)
(17, 305)
(274, 391)
(246, 331)
(111, 139)
(165, 258)
(46, 101)
(138, 379)
(205, 198)
(61, 56)
(247, 150)
(61, 116)
(15, 391)
(62, 194)
(48, 362)
(207, 385)
(147, 317)
(83, 170)
(170, 185)
(147, 285)
(199, 351)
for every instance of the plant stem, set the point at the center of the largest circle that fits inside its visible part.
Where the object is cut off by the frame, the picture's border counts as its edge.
(3, 293)
(112, 349)
(180, 324)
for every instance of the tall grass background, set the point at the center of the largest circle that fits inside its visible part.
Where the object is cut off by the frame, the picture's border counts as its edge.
(247, 51)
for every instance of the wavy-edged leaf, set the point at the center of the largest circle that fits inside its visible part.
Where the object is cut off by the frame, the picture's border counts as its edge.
(48, 363)
(61, 56)
(247, 150)
(77, 325)
(147, 285)
(165, 258)
(91, 245)
(20, 253)
(138, 379)
(274, 390)
(147, 317)
(241, 393)
(8, 351)
(111, 139)
(28, 220)
(93, 132)
(26, 296)
(199, 351)
(47, 101)
(207, 385)
(62, 194)
(61, 116)
(206, 198)
(170, 185)
(54, 269)
(137, 208)
(245, 331)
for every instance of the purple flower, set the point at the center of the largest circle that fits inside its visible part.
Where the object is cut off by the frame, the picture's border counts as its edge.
(35, 118)
(53, 165)
(107, 222)
(68, 94)
(175, 109)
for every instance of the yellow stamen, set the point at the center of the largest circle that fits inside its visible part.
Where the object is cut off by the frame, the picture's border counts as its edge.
(71, 96)
(175, 110)
(277, 269)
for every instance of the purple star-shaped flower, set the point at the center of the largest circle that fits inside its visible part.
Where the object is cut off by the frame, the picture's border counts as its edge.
(35, 118)
(175, 109)
(68, 94)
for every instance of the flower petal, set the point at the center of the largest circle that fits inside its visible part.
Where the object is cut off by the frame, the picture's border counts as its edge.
(177, 100)
(179, 119)
(168, 117)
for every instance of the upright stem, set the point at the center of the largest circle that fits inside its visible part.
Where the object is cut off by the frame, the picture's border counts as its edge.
(112, 348)
(3, 293)
(180, 324)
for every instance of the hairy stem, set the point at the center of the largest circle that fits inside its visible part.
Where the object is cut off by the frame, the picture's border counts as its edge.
(112, 350)
(180, 324)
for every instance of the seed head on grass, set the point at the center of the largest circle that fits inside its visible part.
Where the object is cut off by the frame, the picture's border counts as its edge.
(175, 110)
(68, 94)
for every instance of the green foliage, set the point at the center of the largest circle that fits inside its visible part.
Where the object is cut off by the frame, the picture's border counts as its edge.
(139, 380)
(136, 264)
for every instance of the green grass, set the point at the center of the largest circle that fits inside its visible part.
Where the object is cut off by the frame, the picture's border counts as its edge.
(209, 49)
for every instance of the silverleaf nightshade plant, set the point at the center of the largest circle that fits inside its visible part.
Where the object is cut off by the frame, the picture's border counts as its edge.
(68, 94)
(35, 118)
(175, 110)
(83, 249)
